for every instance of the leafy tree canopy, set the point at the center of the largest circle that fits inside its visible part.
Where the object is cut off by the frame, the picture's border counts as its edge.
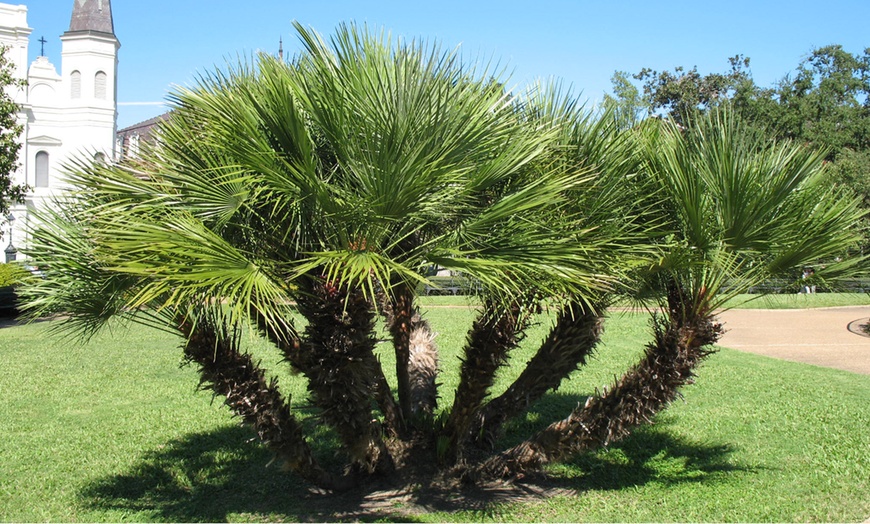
(823, 102)
(681, 93)
(10, 130)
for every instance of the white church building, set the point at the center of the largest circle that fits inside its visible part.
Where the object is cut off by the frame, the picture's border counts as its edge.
(66, 113)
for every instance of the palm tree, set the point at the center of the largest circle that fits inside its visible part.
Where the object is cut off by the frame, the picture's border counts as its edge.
(741, 209)
(317, 187)
(614, 205)
(328, 187)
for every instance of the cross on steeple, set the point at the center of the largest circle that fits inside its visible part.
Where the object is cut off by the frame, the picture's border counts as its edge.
(42, 40)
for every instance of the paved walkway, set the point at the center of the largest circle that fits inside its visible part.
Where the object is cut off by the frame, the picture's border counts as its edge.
(830, 337)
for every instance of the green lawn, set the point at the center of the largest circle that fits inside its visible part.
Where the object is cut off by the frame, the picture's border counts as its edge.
(799, 301)
(782, 301)
(114, 430)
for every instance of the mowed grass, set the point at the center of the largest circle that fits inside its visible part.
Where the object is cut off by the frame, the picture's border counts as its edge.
(799, 300)
(779, 301)
(115, 430)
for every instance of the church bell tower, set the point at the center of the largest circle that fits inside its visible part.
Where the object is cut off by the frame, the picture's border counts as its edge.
(90, 73)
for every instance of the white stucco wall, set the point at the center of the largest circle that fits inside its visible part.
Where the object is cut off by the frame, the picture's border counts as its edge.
(57, 123)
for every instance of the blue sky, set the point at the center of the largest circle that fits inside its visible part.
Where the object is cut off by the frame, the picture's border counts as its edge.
(166, 43)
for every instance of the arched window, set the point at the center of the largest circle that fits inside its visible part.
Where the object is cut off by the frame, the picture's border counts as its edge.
(42, 169)
(133, 147)
(100, 85)
(75, 79)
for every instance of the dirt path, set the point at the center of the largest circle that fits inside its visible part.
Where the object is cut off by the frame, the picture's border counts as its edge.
(830, 337)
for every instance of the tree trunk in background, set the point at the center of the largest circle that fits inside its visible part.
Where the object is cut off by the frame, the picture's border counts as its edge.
(416, 352)
(422, 367)
(399, 324)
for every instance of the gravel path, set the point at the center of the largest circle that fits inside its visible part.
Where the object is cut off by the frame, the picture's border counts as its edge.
(830, 337)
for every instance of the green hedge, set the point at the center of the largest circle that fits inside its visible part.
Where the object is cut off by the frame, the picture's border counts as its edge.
(12, 274)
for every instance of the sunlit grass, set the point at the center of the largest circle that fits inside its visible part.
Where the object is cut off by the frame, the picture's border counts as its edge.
(115, 430)
(744, 301)
(799, 300)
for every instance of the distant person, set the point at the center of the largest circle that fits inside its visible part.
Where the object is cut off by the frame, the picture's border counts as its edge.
(808, 287)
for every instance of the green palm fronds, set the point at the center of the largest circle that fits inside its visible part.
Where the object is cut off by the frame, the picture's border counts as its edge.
(752, 208)
(330, 186)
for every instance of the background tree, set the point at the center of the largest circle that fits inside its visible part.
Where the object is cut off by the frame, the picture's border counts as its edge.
(328, 187)
(824, 103)
(626, 105)
(679, 94)
(10, 130)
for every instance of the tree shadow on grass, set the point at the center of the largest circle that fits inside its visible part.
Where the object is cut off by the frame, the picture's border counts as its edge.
(220, 475)
(651, 455)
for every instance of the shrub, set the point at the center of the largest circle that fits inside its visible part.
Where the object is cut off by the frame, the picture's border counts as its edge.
(11, 274)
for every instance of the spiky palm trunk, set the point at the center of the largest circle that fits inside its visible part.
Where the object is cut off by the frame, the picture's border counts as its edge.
(399, 325)
(493, 334)
(573, 338)
(393, 422)
(286, 340)
(681, 342)
(416, 353)
(336, 355)
(242, 383)
(422, 367)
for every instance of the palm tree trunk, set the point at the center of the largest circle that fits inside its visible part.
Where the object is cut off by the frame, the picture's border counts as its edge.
(422, 367)
(393, 422)
(681, 342)
(242, 383)
(570, 342)
(494, 333)
(336, 355)
(416, 353)
(399, 325)
(289, 343)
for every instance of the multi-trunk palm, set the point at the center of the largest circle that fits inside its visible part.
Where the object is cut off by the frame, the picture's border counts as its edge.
(330, 186)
